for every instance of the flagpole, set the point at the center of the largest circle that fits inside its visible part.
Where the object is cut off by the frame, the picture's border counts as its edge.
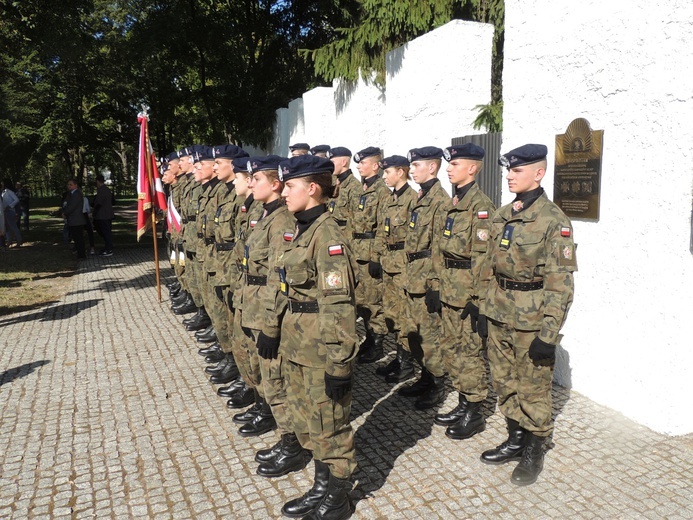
(150, 178)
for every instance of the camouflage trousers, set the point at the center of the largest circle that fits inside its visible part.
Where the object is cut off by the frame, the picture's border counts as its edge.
(321, 424)
(245, 353)
(463, 355)
(524, 389)
(273, 386)
(422, 330)
(227, 343)
(216, 308)
(192, 275)
(394, 301)
(369, 299)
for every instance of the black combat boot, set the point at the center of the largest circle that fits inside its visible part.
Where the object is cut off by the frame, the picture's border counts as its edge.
(250, 413)
(390, 368)
(194, 317)
(511, 449)
(531, 463)
(172, 283)
(211, 349)
(179, 297)
(218, 367)
(336, 504)
(270, 453)
(186, 307)
(216, 355)
(202, 322)
(242, 398)
(229, 373)
(406, 367)
(262, 423)
(207, 335)
(299, 507)
(433, 396)
(471, 423)
(420, 387)
(374, 350)
(233, 388)
(454, 415)
(291, 457)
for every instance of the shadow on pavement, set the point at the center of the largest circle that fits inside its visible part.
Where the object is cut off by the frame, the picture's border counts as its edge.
(58, 312)
(21, 371)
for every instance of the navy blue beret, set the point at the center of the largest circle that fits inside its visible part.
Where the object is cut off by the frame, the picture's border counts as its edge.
(303, 165)
(300, 146)
(339, 151)
(527, 154)
(204, 153)
(321, 148)
(464, 151)
(367, 152)
(262, 163)
(164, 167)
(394, 160)
(229, 151)
(240, 163)
(185, 151)
(425, 153)
(172, 156)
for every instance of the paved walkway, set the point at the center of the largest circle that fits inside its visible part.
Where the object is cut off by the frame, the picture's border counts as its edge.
(106, 413)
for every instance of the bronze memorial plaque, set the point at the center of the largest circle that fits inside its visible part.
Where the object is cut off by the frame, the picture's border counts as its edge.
(578, 170)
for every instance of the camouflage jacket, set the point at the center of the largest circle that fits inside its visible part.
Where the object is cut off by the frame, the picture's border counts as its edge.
(425, 223)
(316, 267)
(534, 245)
(228, 206)
(341, 208)
(179, 189)
(205, 218)
(174, 203)
(249, 213)
(367, 209)
(191, 203)
(395, 219)
(269, 238)
(210, 221)
(464, 238)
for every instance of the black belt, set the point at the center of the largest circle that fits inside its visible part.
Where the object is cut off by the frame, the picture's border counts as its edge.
(192, 219)
(512, 285)
(190, 254)
(360, 236)
(307, 307)
(200, 235)
(255, 280)
(209, 241)
(397, 246)
(465, 263)
(185, 220)
(225, 246)
(418, 256)
(340, 223)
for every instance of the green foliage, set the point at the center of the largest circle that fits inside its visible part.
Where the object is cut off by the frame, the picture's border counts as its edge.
(490, 117)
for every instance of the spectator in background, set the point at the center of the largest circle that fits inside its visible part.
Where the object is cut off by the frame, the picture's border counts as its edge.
(2, 225)
(10, 202)
(73, 211)
(86, 209)
(103, 214)
(23, 210)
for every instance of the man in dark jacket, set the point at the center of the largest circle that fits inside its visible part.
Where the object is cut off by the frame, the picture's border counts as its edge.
(74, 213)
(103, 214)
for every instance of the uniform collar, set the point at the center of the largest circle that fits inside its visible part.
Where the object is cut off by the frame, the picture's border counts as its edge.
(426, 186)
(401, 191)
(305, 218)
(370, 181)
(526, 199)
(461, 192)
(344, 176)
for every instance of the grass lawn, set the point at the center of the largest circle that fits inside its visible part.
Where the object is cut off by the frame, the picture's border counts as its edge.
(39, 272)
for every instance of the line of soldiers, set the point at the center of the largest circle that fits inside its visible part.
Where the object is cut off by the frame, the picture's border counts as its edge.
(277, 257)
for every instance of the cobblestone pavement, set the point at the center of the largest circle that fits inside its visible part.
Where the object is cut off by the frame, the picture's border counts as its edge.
(107, 413)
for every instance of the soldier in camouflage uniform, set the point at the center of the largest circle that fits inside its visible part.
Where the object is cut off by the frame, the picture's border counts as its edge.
(462, 246)
(421, 281)
(183, 303)
(349, 191)
(395, 220)
(529, 272)
(243, 342)
(368, 249)
(318, 337)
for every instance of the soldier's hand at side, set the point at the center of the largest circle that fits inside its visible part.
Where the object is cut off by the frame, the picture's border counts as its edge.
(472, 311)
(267, 348)
(541, 351)
(482, 326)
(432, 300)
(337, 387)
(375, 269)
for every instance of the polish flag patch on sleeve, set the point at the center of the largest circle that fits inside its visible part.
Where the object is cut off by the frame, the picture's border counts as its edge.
(288, 237)
(335, 250)
(483, 214)
(565, 231)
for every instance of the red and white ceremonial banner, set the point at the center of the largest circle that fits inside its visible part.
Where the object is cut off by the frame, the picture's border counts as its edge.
(150, 191)
(172, 216)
